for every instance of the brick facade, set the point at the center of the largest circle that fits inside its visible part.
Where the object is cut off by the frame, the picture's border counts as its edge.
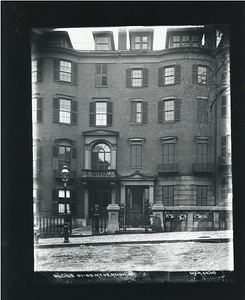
(122, 132)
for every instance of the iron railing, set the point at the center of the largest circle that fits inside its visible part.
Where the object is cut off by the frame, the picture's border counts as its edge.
(165, 168)
(99, 173)
(208, 168)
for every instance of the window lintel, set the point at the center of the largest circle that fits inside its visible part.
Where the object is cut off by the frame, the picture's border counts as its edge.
(168, 140)
(136, 141)
(65, 142)
(202, 139)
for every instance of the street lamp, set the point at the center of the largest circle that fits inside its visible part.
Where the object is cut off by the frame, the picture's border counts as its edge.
(65, 178)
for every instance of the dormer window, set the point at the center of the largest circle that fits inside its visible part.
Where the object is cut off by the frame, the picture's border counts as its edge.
(187, 39)
(104, 40)
(141, 40)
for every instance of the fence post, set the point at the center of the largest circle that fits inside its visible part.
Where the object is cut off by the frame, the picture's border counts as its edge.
(158, 224)
(113, 222)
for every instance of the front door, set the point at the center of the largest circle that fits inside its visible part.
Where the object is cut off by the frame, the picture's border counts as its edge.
(100, 197)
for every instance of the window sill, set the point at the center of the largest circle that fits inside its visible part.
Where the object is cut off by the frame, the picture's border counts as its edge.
(139, 124)
(101, 86)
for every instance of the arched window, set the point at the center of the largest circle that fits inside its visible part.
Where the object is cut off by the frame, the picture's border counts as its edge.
(101, 157)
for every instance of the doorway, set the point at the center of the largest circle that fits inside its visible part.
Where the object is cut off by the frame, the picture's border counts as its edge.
(100, 197)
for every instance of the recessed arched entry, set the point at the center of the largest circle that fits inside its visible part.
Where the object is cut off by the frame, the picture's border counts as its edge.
(101, 157)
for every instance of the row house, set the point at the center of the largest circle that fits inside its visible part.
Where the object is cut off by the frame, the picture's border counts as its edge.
(138, 129)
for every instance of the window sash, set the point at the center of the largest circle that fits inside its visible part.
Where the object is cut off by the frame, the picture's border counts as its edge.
(101, 113)
(202, 75)
(136, 156)
(65, 111)
(137, 77)
(169, 75)
(168, 195)
(65, 71)
(103, 43)
(169, 110)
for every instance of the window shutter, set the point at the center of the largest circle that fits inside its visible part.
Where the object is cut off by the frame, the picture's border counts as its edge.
(145, 77)
(104, 69)
(223, 106)
(55, 158)
(194, 73)
(160, 76)
(56, 109)
(128, 77)
(145, 111)
(40, 69)
(39, 109)
(133, 112)
(39, 194)
(160, 111)
(109, 113)
(55, 202)
(98, 77)
(73, 159)
(39, 157)
(74, 73)
(56, 69)
(74, 112)
(177, 110)
(92, 114)
(177, 73)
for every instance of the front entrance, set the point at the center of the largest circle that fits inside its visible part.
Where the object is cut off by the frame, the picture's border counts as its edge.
(99, 196)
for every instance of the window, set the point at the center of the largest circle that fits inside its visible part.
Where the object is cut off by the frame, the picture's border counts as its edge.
(169, 75)
(136, 156)
(101, 75)
(201, 195)
(100, 113)
(64, 157)
(202, 109)
(186, 40)
(137, 77)
(139, 112)
(141, 42)
(136, 151)
(169, 110)
(37, 157)
(37, 110)
(64, 111)
(65, 71)
(61, 195)
(59, 200)
(102, 43)
(176, 41)
(37, 198)
(37, 70)
(199, 74)
(64, 154)
(202, 153)
(101, 157)
(223, 106)
(226, 147)
(168, 154)
(168, 195)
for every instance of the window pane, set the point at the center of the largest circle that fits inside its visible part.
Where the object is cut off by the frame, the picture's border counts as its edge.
(65, 105)
(136, 77)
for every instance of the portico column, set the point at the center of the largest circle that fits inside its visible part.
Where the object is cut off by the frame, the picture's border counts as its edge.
(151, 194)
(86, 212)
(87, 157)
(122, 194)
(114, 157)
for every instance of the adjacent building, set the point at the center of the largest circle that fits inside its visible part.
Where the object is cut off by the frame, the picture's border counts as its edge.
(139, 129)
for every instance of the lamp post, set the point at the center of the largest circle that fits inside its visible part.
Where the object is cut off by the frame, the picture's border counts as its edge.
(65, 178)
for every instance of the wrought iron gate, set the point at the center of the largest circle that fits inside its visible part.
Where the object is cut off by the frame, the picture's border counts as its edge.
(135, 216)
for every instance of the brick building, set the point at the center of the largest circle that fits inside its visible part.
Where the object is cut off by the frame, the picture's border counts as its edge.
(137, 128)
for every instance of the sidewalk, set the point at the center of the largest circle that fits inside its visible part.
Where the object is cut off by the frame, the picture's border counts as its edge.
(136, 238)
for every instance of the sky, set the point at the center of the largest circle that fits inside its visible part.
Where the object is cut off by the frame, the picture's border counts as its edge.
(82, 38)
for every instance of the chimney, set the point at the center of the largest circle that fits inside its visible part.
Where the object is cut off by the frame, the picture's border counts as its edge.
(122, 39)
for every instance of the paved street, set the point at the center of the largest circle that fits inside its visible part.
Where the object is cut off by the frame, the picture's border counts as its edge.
(149, 252)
